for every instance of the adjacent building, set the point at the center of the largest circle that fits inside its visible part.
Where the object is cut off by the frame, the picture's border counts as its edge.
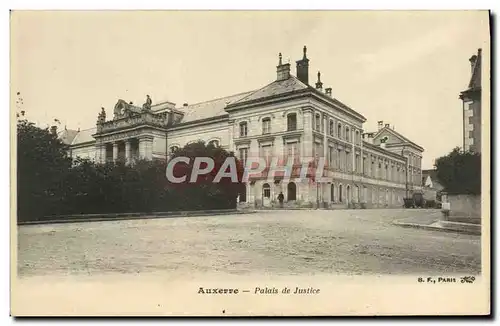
(286, 119)
(471, 106)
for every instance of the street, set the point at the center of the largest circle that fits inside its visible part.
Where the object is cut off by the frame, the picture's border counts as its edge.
(300, 242)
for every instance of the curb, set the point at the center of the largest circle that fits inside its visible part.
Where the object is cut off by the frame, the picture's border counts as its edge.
(133, 216)
(436, 228)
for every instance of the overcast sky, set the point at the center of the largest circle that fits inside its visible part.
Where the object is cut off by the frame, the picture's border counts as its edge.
(405, 68)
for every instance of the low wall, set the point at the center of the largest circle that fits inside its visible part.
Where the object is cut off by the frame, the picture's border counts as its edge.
(467, 206)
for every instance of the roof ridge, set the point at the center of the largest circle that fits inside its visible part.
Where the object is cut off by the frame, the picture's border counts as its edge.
(218, 98)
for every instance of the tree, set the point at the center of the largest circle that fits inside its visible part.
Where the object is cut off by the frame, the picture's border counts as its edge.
(460, 172)
(41, 161)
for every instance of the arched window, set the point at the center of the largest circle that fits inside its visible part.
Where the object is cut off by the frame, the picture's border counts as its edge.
(340, 194)
(347, 133)
(332, 128)
(357, 137)
(318, 122)
(266, 190)
(332, 193)
(348, 193)
(266, 125)
(339, 130)
(291, 122)
(292, 191)
(243, 129)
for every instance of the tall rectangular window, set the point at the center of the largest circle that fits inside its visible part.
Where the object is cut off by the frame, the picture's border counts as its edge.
(291, 122)
(243, 129)
(292, 150)
(318, 122)
(266, 153)
(266, 126)
(243, 155)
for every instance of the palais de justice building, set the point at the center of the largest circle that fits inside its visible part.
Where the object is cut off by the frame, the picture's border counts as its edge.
(286, 118)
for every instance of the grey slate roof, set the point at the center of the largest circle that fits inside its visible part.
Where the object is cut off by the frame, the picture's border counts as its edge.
(209, 109)
(75, 137)
(275, 88)
(67, 136)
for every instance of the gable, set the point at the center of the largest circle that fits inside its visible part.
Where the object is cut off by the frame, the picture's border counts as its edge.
(393, 138)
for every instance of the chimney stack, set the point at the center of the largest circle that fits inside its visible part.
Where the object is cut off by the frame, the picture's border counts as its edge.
(328, 91)
(303, 68)
(319, 84)
(380, 124)
(387, 125)
(282, 70)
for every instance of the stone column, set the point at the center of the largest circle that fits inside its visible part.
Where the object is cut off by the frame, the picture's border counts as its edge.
(115, 151)
(128, 158)
(146, 148)
(103, 153)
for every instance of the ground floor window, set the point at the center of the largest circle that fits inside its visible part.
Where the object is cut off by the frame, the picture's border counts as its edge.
(340, 193)
(266, 189)
(292, 191)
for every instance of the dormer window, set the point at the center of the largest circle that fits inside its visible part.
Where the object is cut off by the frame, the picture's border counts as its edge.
(243, 129)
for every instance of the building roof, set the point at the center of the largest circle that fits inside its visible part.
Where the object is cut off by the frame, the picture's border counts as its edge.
(209, 109)
(75, 137)
(67, 136)
(397, 134)
(277, 87)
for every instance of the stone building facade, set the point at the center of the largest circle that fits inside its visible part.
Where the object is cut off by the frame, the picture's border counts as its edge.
(288, 119)
(471, 107)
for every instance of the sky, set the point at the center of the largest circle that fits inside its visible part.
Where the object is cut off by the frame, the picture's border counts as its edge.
(405, 68)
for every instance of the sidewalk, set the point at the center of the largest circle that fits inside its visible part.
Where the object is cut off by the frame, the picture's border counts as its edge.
(434, 223)
(132, 216)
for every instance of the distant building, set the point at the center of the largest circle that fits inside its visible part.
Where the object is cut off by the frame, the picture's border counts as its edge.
(287, 118)
(430, 184)
(471, 99)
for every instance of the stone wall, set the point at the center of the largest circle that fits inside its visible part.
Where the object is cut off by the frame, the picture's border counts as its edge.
(464, 205)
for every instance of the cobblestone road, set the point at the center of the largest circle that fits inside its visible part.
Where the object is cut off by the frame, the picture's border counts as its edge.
(352, 242)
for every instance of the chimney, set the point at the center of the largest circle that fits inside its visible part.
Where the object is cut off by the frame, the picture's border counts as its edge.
(303, 68)
(368, 137)
(53, 130)
(328, 91)
(380, 124)
(319, 84)
(387, 125)
(282, 70)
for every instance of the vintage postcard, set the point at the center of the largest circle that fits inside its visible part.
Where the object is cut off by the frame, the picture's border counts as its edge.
(250, 163)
